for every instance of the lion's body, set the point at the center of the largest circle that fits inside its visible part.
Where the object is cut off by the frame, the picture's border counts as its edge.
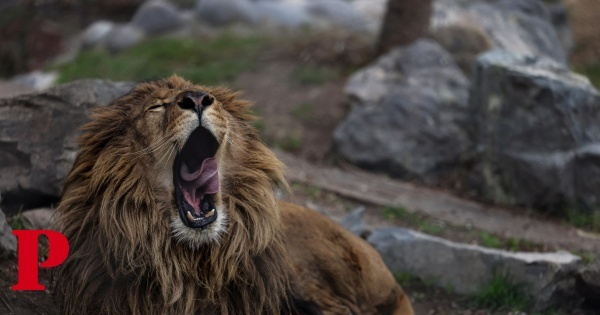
(337, 270)
(133, 253)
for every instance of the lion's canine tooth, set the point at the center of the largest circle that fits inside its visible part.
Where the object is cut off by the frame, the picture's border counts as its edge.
(190, 216)
(210, 213)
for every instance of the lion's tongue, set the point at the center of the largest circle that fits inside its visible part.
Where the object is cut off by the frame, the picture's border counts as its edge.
(195, 185)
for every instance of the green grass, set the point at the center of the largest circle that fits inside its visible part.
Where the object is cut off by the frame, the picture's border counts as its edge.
(502, 293)
(405, 278)
(401, 213)
(289, 143)
(305, 112)
(203, 61)
(592, 71)
(313, 75)
(490, 240)
(584, 220)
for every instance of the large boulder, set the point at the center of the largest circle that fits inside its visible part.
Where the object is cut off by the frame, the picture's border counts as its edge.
(409, 108)
(467, 269)
(156, 16)
(38, 139)
(519, 26)
(8, 242)
(338, 12)
(123, 36)
(536, 127)
(219, 13)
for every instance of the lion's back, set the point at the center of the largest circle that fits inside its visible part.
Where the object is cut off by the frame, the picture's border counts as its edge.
(337, 271)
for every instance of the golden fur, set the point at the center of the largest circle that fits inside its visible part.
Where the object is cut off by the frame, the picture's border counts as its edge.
(130, 253)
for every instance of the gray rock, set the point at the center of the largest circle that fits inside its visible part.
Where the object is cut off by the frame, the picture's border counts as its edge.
(155, 17)
(559, 16)
(122, 37)
(338, 12)
(38, 139)
(219, 13)
(38, 219)
(37, 80)
(588, 284)
(519, 26)
(95, 34)
(372, 11)
(537, 130)
(355, 222)
(409, 109)
(283, 14)
(8, 242)
(466, 269)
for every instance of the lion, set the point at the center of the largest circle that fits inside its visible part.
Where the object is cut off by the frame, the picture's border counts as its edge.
(170, 209)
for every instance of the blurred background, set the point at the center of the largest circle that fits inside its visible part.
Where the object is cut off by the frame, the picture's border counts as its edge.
(461, 138)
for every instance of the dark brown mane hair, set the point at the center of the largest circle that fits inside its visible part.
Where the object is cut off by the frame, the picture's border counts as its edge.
(123, 257)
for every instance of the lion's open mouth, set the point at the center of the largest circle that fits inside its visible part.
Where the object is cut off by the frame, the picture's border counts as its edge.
(196, 179)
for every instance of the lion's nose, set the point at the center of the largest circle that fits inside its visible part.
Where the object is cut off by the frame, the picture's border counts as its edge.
(196, 101)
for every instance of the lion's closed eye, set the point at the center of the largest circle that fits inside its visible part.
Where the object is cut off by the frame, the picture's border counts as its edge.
(157, 108)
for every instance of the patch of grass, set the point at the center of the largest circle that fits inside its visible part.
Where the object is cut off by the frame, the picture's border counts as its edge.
(305, 112)
(490, 240)
(17, 222)
(502, 293)
(203, 61)
(405, 278)
(313, 75)
(582, 219)
(290, 143)
(592, 71)
(400, 213)
(432, 228)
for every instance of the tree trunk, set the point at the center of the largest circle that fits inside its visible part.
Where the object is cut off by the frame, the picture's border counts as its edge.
(405, 21)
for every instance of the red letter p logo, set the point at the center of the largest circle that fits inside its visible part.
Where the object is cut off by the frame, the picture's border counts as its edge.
(27, 252)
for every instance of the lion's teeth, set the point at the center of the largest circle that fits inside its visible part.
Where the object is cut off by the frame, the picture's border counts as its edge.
(210, 213)
(190, 216)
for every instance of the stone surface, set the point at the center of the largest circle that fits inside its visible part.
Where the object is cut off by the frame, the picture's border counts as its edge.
(519, 26)
(8, 242)
(122, 37)
(38, 139)
(466, 269)
(38, 219)
(338, 12)
(289, 15)
(37, 80)
(559, 16)
(157, 16)
(409, 109)
(536, 127)
(588, 284)
(95, 34)
(225, 12)
(355, 222)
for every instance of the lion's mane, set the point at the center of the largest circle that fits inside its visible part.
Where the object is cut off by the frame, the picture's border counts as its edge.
(123, 254)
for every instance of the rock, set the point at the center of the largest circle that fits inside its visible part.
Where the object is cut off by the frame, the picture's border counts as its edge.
(518, 26)
(226, 12)
(355, 222)
(588, 284)
(38, 219)
(372, 12)
(467, 269)
(155, 17)
(122, 37)
(338, 12)
(536, 126)
(95, 34)
(37, 80)
(408, 115)
(285, 14)
(559, 16)
(38, 139)
(8, 242)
